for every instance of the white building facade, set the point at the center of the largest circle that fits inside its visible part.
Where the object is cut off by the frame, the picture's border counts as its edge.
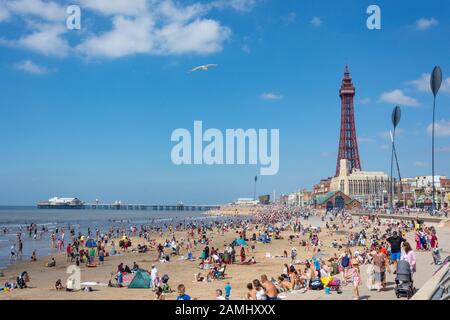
(370, 188)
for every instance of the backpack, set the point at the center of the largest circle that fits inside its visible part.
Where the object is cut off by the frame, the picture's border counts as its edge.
(316, 284)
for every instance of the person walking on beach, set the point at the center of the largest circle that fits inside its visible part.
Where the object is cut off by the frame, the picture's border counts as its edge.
(12, 255)
(395, 242)
(154, 276)
(379, 265)
(345, 264)
(20, 251)
(227, 291)
(101, 256)
(293, 255)
(356, 275)
(409, 256)
(53, 240)
(69, 252)
(242, 254)
(434, 245)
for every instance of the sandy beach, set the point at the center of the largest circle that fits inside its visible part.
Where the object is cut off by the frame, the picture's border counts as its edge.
(182, 271)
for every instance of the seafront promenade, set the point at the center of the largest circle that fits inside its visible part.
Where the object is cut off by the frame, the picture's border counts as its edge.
(405, 216)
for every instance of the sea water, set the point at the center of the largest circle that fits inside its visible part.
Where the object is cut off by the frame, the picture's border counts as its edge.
(16, 219)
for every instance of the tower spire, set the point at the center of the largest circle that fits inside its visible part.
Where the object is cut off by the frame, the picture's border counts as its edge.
(348, 144)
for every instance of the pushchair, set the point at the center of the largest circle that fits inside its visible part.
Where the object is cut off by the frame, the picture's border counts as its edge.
(404, 286)
(165, 284)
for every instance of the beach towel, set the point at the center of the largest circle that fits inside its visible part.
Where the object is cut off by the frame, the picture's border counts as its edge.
(326, 280)
(90, 283)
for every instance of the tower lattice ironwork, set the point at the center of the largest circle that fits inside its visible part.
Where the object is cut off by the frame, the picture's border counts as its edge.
(348, 144)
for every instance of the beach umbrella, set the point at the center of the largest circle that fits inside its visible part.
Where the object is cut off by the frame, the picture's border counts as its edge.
(241, 242)
(91, 243)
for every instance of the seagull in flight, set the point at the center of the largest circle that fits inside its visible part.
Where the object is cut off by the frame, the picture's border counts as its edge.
(204, 67)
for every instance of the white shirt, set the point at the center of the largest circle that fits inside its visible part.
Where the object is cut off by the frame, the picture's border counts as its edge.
(154, 274)
(261, 294)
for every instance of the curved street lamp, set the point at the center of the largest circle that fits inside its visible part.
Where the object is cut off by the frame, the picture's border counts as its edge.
(396, 116)
(254, 190)
(435, 84)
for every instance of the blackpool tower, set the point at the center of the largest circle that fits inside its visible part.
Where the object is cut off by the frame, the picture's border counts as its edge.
(348, 145)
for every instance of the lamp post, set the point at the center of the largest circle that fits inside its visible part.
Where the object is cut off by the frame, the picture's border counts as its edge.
(404, 200)
(435, 84)
(254, 189)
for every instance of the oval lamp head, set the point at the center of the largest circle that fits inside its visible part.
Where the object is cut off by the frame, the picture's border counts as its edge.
(396, 116)
(436, 80)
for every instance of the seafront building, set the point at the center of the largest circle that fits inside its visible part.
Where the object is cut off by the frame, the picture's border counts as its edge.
(418, 191)
(367, 187)
(299, 198)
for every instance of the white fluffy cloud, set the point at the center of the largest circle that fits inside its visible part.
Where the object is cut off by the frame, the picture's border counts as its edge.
(137, 27)
(398, 97)
(316, 21)
(441, 128)
(239, 5)
(424, 23)
(116, 7)
(47, 40)
(4, 12)
(270, 96)
(128, 36)
(46, 10)
(422, 84)
(31, 67)
(420, 164)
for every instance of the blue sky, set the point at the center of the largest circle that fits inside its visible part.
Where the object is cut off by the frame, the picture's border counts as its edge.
(89, 112)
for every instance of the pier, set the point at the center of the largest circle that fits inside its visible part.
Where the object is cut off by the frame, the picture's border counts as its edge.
(149, 207)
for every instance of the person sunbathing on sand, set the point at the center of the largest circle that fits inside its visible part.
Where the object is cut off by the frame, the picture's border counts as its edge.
(284, 284)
